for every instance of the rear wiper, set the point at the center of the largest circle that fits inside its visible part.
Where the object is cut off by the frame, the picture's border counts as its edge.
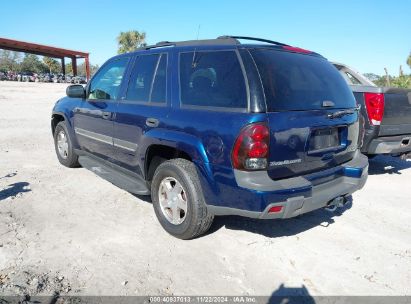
(341, 113)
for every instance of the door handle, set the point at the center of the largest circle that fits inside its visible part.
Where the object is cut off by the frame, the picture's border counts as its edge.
(152, 122)
(106, 115)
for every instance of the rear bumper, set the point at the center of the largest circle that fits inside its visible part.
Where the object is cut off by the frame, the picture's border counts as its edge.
(304, 193)
(390, 145)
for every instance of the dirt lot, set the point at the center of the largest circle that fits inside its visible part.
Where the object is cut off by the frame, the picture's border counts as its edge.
(70, 232)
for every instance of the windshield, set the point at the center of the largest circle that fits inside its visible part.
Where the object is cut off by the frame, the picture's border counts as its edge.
(295, 82)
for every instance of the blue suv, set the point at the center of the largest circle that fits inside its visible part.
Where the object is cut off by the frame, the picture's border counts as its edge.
(216, 127)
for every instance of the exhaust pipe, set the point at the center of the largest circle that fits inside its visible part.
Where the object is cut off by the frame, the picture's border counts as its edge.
(338, 202)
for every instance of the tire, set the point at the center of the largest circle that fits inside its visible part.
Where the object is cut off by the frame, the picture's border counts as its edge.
(67, 157)
(196, 219)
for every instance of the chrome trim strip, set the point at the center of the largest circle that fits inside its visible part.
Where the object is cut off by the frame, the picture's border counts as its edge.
(96, 136)
(125, 144)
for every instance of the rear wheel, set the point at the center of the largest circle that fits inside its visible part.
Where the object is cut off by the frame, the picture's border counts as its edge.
(178, 199)
(64, 148)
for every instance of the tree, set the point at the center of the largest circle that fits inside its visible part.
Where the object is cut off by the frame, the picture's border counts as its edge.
(409, 60)
(372, 76)
(69, 69)
(52, 64)
(9, 61)
(32, 63)
(81, 69)
(130, 41)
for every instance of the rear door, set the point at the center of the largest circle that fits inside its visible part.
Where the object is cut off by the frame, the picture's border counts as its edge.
(311, 111)
(143, 107)
(93, 119)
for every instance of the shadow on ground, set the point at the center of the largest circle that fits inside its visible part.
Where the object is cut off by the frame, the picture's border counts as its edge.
(9, 175)
(14, 190)
(291, 295)
(383, 164)
(278, 228)
(144, 198)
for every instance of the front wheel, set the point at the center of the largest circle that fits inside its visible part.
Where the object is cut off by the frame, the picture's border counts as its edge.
(178, 199)
(64, 147)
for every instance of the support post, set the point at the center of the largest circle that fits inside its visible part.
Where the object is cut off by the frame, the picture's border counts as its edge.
(87, 68)
(74, 65)
(63, 67)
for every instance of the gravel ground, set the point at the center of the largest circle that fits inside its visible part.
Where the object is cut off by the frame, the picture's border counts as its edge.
(66, 231)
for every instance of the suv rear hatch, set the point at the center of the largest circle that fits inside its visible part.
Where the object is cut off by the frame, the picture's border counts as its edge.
(311, 111)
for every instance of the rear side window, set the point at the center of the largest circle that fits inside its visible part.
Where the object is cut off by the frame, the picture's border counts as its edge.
(158, 93)
(148, 79)
(212, 79)
(106, 84)
(351, 78)
(294, 82)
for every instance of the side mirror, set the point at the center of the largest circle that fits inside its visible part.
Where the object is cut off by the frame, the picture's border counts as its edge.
(76, 91)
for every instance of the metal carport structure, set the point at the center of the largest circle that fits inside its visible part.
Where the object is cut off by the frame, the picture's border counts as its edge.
(49, 51)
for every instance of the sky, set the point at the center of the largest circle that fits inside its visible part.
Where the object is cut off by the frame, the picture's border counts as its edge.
(367, 35)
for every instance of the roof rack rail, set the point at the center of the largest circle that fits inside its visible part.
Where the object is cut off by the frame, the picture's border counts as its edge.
(253, 38)
(159, 44)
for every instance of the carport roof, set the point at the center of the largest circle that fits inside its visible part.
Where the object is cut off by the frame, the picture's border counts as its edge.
(39, 49)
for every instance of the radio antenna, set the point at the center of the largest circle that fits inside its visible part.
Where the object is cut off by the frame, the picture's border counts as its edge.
(198, 31)
(193, 63)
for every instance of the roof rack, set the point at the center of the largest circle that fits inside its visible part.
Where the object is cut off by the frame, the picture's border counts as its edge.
(159, 44)
(253, 39)
(226, 40)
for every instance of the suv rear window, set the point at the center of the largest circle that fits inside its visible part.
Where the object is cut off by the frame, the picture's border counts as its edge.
(212, 79)
(295, 82)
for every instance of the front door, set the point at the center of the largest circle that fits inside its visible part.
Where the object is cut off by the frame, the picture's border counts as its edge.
(93, 119)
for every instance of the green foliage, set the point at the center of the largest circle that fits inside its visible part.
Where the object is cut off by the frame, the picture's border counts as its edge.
(409, 60)
(32, 63)
(381, 81)
(373, 77)
(81, 69)
(69, 69)
(9, 61)
(53, 65)
(12, 61)
(130, 41)
(402, 81)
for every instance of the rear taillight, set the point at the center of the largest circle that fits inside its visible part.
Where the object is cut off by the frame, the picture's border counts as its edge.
(275, 209)
(251, 148)
(374, 102)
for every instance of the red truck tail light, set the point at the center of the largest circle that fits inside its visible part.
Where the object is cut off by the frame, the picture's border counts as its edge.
(374, 102)
(251, 148)
(296, 49)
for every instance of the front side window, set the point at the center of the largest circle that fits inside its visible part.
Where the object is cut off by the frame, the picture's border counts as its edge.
(148, 79)
(106, 84)
(212, 79)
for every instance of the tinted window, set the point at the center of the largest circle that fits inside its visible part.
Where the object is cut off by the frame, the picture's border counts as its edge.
(351, 78)
(213, 79)
(106, 84)
(158, 93)
(141, 80)
(300, 82)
